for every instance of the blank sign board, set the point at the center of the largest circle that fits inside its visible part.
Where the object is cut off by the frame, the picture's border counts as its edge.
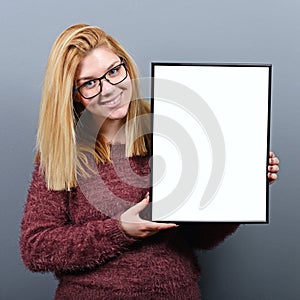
(210, 142)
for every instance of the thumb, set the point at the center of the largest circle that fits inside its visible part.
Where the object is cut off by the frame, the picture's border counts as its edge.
(136, 209)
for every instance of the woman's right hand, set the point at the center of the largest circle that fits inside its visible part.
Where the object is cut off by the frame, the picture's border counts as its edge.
(133, 225)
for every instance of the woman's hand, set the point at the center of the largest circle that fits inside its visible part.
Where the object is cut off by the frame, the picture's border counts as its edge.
(273, 167)
(133, 225)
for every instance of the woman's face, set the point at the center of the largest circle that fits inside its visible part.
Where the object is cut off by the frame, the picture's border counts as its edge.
(113, 101)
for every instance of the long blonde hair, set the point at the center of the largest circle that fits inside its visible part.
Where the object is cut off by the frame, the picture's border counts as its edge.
(60, 158)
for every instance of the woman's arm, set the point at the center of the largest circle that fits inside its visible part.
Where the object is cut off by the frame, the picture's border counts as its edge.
(49, 242)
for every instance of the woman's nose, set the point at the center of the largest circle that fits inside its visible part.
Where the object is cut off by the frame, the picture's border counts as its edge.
(106, 87)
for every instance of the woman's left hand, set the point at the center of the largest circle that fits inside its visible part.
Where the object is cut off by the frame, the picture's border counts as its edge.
(273, 167)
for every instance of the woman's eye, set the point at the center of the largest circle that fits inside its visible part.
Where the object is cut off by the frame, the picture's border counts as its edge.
(89, 84)
(114, 70)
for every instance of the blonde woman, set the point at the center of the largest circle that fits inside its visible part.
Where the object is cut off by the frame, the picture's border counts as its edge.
(82, 220)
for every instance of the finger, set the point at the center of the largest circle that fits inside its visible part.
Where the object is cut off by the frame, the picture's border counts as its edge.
(272, 176)
(273, 168)
(168, 226)
(149, 226)
(274, 161)
(271, 154)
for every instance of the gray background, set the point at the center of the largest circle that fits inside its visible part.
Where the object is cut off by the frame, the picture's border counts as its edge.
(259, 261)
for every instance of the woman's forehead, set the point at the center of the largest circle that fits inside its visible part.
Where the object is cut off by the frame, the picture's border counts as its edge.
(98, 60)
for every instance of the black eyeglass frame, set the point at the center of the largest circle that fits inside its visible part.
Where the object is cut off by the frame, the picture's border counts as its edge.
(123, 63)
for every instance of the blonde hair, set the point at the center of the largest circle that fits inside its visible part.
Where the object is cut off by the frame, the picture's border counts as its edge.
(61, 159)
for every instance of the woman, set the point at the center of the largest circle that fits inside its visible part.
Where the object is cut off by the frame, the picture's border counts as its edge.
(82, 216)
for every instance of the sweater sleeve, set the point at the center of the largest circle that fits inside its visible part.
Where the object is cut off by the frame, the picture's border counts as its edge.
(49, 242)
(208, 235)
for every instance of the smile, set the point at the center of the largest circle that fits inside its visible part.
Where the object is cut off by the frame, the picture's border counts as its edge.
(113, 102)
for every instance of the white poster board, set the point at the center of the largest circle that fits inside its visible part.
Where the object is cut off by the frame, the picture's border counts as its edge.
(210, 142)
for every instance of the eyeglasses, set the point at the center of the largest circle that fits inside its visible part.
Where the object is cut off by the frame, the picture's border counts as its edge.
(93, 87)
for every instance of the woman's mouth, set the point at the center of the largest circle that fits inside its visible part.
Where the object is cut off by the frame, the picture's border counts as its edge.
(112, 103)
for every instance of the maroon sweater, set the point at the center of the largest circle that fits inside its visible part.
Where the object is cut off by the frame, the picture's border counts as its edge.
(69, 234)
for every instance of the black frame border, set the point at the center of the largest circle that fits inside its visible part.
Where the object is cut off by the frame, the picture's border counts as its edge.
(207, 64)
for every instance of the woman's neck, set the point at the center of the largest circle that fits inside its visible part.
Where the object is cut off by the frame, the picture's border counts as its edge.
(113, 131)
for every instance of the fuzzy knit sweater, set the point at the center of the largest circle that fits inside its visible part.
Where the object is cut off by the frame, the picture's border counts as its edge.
(77, 236)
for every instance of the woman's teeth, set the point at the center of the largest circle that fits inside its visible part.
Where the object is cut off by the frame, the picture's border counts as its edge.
(112, 102)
